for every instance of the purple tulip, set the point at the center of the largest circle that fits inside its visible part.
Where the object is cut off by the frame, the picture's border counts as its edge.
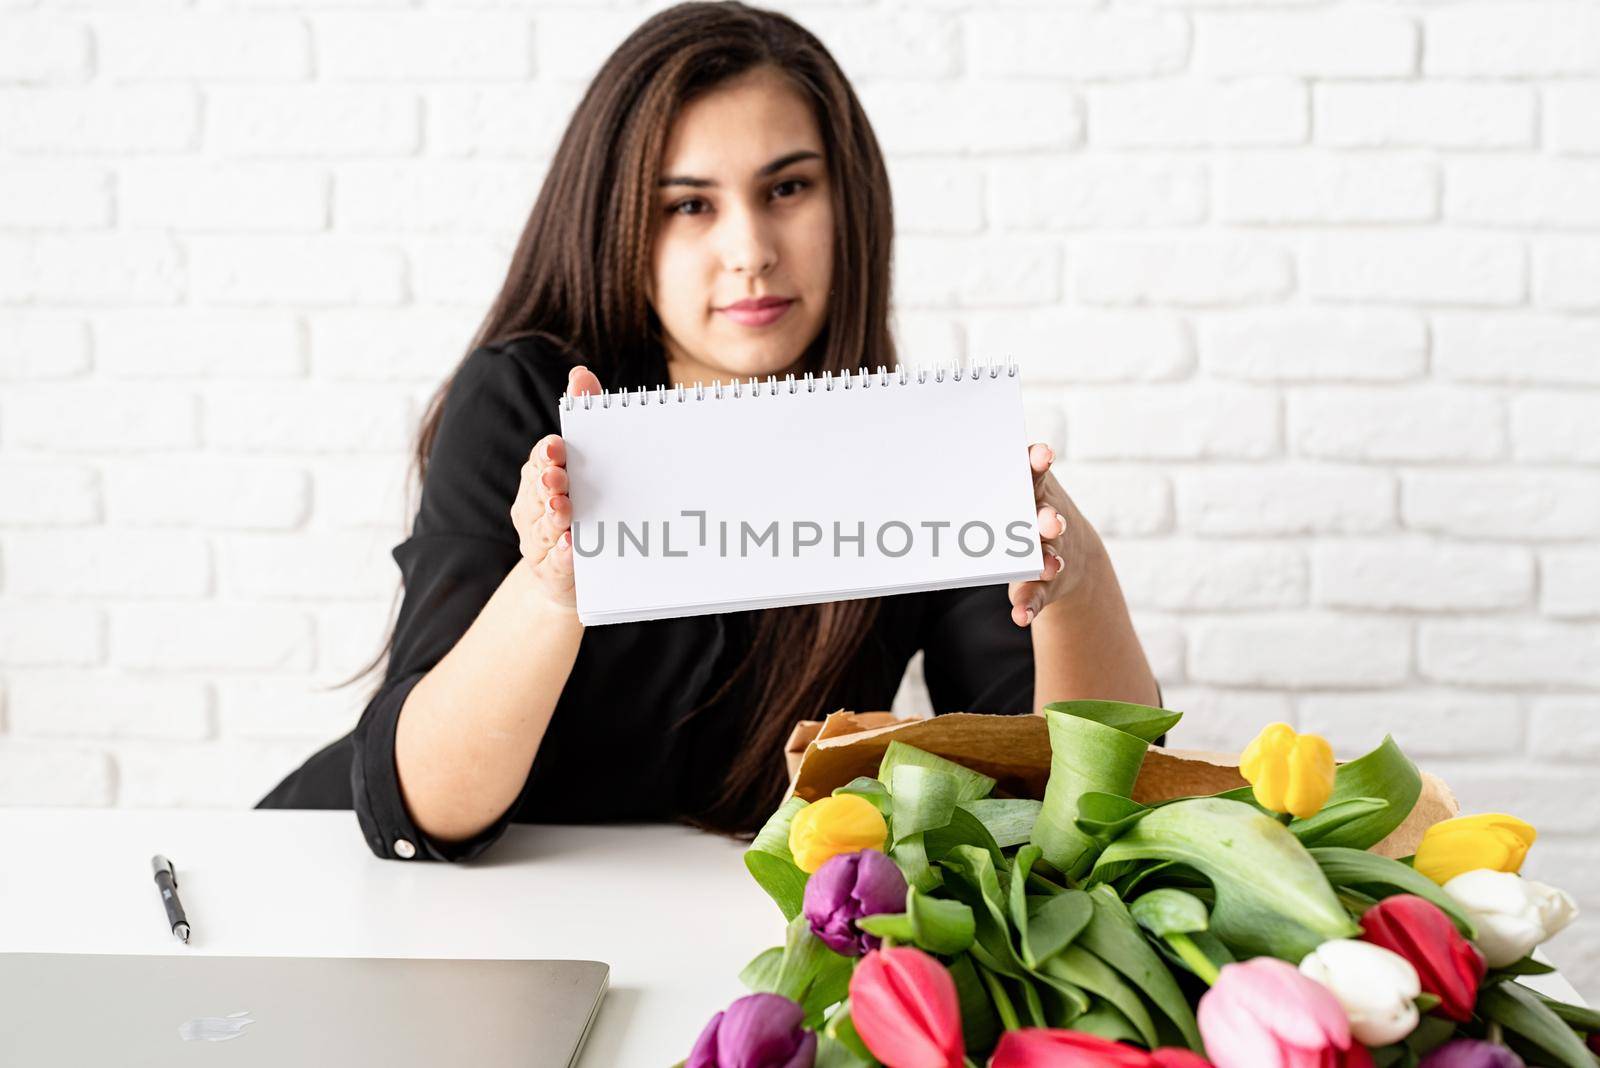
(757, 1031)
(848, 887)
(1470, 1053)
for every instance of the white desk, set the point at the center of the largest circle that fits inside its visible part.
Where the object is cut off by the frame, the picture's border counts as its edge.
(671, 910)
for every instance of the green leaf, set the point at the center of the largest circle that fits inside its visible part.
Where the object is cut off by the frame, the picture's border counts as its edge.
(973, 784)
(1141, 721)
(1333, 817)
(869, 788)
(1105, 1021)
(805, 957)
(1063, 1002)
(1104, 817)
(1385, 773)
(1392, 1056)
(831, 987)
(1009, 820)
(1114, 937)
(1054, 922)
(1518, 1009)
(841, 1030)
(974, 881)
(1138, 873)
(931, 923)
(1047, 925)
(997, 992)
(760, 976)
(831, 1053)
(1525, 966)
(1431, 1032)
(922, 799)
(1032, 1003)
(964, 828)
(979, 1023)
(1170, 911)
(768, 859)
(940, 925)
(1379, 877)
(1085, 969)
(1271, 897)
(913, 860)
(895, 925)
(1578, 1016)
(1095, 746)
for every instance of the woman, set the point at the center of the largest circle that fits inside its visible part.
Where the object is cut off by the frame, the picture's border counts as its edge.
(717, 209)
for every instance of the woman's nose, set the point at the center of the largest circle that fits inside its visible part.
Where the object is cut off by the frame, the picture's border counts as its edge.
(747, 246)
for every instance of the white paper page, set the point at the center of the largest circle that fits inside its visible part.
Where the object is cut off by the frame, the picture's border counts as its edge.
(772, 472)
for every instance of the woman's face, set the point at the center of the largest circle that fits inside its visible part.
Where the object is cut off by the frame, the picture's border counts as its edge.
(743, 216)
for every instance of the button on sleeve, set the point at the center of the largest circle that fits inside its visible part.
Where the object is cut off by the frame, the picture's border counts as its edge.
(385, 822)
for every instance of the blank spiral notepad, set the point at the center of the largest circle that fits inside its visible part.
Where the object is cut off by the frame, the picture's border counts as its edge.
(760, 493)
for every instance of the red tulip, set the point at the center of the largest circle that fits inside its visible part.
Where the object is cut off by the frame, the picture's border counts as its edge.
(1177, 1057)
(904, 1006)
(1037, 1047)
(1449, 966)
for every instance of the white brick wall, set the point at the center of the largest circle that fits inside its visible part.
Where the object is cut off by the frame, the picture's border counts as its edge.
(1308, 292)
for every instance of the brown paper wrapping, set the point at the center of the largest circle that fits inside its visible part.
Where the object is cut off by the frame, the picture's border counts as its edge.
(1015, 751)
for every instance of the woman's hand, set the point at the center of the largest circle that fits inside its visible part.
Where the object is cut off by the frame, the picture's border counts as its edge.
(542, 512)
(1065, 541)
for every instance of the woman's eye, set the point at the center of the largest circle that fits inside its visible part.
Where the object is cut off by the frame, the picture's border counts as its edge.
(679, 207)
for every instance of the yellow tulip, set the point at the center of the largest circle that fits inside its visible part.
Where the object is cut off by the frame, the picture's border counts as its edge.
(1290, 772)
(1491, 840)
(845, 823)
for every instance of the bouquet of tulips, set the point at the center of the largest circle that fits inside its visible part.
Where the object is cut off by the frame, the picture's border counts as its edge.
(932, 924)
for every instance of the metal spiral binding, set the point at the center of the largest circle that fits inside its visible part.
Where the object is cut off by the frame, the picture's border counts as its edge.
(827, 383)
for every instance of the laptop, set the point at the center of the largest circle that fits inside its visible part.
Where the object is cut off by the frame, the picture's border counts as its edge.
(254, 1012)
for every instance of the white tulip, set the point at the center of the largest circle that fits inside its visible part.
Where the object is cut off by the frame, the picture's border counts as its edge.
(1512, 914)
(1376, 987)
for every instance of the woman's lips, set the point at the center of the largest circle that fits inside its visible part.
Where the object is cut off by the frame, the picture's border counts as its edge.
(762, 316)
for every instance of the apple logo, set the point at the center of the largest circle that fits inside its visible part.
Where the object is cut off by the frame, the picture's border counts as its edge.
(215, 1028)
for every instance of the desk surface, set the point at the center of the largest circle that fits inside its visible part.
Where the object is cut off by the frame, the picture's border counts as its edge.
(672, 911)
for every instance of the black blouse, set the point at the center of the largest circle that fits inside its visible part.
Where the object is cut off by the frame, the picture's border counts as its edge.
(617, 747)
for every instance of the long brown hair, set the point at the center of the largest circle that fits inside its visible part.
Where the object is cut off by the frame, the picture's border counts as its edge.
(577, 281)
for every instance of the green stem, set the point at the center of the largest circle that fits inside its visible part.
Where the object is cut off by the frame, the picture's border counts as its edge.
(1494, 1034)
(1191, 955)
(1002, 1000)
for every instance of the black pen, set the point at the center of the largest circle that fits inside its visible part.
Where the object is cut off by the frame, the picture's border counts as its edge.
(167, 880)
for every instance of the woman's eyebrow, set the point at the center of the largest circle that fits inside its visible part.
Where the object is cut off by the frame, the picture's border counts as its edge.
(771, 168)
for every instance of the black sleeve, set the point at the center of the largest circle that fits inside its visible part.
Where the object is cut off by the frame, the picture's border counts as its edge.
(975, 659)
(462, 546)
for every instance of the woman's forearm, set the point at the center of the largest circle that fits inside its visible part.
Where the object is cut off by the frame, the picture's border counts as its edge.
(1084, 645)
(471, 727)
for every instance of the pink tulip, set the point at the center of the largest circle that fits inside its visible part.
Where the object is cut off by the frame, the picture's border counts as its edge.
(1037, 1047)
(1265, 1014)
(904, 1006)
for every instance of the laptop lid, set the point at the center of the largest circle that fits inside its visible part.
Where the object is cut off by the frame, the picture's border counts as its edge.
(256, 1012)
